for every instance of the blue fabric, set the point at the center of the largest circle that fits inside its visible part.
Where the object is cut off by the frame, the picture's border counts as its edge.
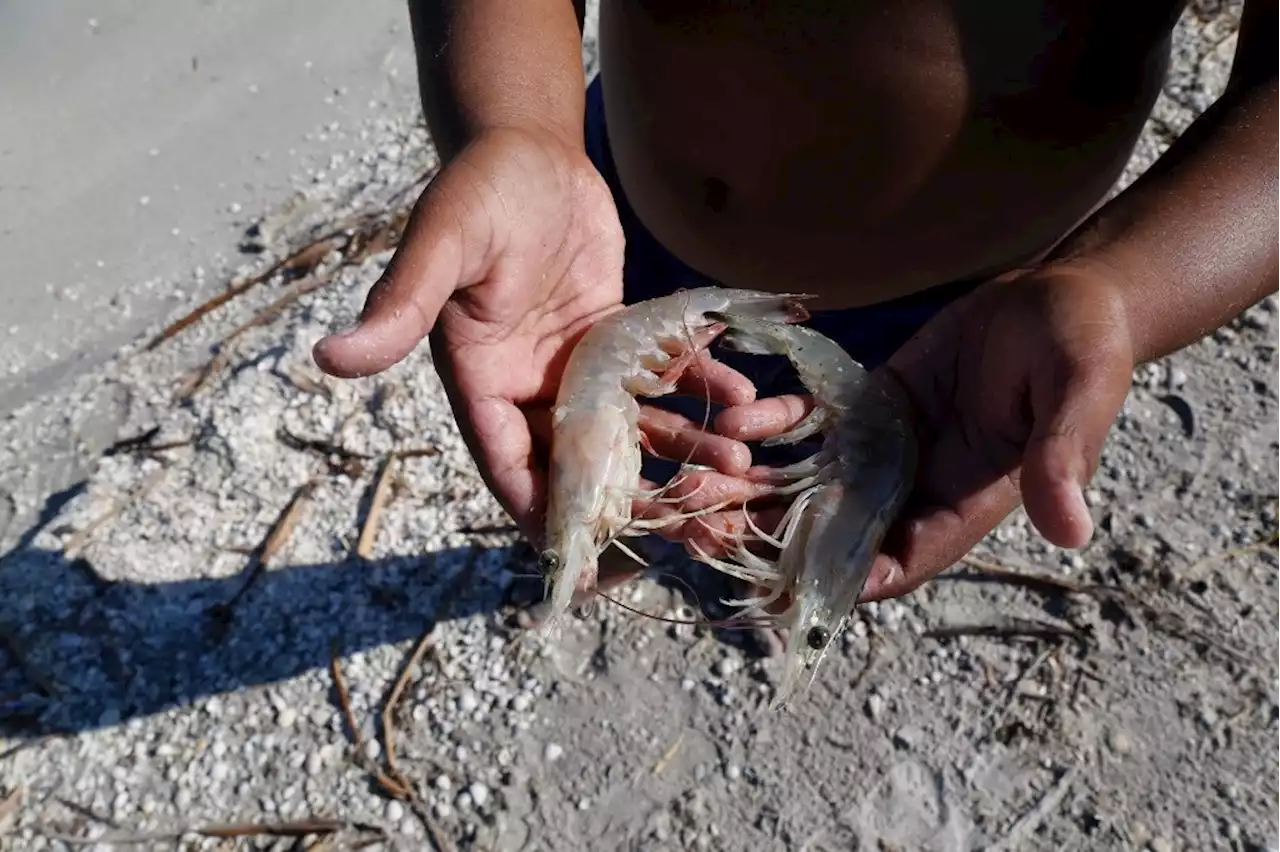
(871, 334)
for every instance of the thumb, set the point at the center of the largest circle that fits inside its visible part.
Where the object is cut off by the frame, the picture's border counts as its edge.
(447, 244)
(1073, 418)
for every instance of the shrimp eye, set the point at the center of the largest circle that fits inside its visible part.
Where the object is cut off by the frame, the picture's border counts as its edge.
(817, 638)
(549, 562)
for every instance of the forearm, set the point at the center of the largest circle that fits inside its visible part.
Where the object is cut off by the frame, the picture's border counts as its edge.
(484, 64)
(1194, 239)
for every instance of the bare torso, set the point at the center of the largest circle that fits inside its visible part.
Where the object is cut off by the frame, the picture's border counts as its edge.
(867, 150)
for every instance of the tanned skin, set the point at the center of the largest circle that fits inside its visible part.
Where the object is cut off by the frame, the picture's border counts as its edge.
(860, 151)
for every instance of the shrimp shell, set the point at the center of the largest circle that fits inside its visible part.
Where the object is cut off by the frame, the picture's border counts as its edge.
(848, 494)
(640, 350)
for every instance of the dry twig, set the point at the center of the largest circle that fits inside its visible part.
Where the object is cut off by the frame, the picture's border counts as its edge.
(425, 642)
(304, 259)
(394, 784)
(1012, 628)
(196, 378)
(669, 755)
(381, 493)
(273, 543)
(298, 828)
(1031, 820)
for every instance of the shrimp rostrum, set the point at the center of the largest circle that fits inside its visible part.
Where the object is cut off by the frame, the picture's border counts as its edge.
(640, 350)
(846, 495)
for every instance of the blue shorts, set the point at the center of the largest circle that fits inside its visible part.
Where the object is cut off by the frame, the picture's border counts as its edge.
(870, 334)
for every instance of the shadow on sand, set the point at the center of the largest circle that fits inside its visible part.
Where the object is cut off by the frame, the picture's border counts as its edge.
(80, 652)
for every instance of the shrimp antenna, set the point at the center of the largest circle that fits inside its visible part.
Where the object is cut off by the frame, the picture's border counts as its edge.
(732, 623)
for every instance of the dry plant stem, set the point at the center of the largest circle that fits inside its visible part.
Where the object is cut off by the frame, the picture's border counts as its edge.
(300, 828)
(81, 538)
(381, 495)
(668, 755)
(1193, 571)
(397, 786)
(1011, 629)
(200, 375)
(276, 539)
(344, 697)
(1031, 820)
(1032, 580)
(425, 642)
(1002, 710)
(305, 258)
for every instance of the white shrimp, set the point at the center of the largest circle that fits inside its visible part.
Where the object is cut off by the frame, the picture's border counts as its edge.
(848, 494)
(595, 455)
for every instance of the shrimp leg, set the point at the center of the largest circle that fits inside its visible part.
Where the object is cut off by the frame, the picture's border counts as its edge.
(811, 425)
(804, 468)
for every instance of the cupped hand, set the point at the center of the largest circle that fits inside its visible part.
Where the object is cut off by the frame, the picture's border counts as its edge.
(1015, 388)
(512, 252)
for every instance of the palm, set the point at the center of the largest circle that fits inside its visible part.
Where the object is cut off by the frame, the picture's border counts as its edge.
(1014, 388)
(514, 248)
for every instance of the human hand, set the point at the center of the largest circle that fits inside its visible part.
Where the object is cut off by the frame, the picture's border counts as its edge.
(512, 252)
(1015, 387)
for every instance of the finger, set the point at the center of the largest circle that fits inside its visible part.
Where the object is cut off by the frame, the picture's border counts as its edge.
(502, 445)
(432, 261)
(696, 491)
(673, 436)
(959, 496)
(927, 540)
(1071, 425)
(763, 418)
(716, 382)
(701, 489)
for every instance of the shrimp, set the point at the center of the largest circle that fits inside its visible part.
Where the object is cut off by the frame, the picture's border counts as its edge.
(595, 455)
(848, 493)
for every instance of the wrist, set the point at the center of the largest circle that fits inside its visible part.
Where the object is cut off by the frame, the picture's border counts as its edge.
(490, 64)
(1135, 291)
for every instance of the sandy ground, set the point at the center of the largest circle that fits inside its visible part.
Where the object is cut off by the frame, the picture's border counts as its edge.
(139, 138)
(186, 557)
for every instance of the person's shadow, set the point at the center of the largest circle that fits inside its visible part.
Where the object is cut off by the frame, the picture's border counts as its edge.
(79, 652)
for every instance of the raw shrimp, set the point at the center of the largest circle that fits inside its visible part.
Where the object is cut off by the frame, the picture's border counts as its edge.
(848, 493)
(595, 455)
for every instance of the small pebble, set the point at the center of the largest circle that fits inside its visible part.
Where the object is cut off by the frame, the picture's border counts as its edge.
(907, 737)
(553, 752)
(395, 811)
(286, 717)
(372, 749)
(726, 666)
(467, 702)
(1160, 844)
(1119, 741)
(479, 794)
